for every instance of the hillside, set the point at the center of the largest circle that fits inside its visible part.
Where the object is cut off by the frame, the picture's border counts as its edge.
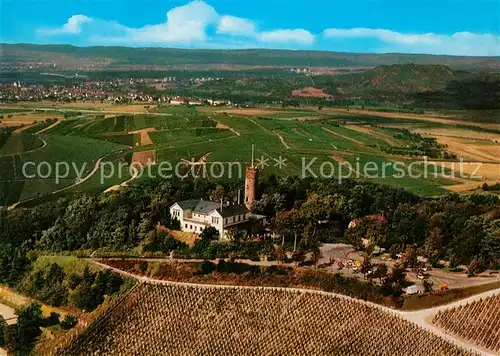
(116, 57)
(475, 322)
(234, 321)
(405, 78)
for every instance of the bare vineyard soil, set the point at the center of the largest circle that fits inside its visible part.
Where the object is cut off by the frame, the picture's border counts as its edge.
(245, 275)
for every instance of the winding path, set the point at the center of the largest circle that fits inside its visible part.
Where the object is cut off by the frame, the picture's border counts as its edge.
(50, 127)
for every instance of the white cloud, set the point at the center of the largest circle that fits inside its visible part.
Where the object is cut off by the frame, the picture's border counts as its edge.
(298, 36)
(73, 26)
(198, 24)
(460, 43)
(185, 26)
(237, 26)
(383, 35)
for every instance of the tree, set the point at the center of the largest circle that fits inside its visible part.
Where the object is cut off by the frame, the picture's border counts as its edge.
(410, 258)
(3, 329)
(298, 256)
(394, 283)
(21, 336)
(316, 257)
(286, 224)
(433, 245)
(55, 274)
(208, 234)
(428, 286)
(69, 321)
(367, 267)
(380, 271)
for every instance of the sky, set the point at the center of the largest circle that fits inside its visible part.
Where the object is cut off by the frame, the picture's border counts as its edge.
(454, 27)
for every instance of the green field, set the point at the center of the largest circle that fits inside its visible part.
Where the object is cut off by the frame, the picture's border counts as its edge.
(124, 124)
(31, 174)
(320, 147)
(19, 143)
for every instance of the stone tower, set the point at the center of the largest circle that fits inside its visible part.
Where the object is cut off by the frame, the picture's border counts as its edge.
(251, 183)
(250, 186)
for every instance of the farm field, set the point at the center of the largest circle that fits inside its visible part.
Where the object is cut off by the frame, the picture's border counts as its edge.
(336, 145)
(477, 150)
(478, 322)
(20, 182)
(86, 105)
(234, 320)
(19, 143)
(21, 119)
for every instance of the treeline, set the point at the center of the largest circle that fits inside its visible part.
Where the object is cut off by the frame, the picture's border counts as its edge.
(481, 93)
(463, 230)
(303, 212)
(416, 145)
(391, 280)
(84, 291)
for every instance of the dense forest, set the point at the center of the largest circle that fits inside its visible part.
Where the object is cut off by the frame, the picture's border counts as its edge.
(463, 229)
(126, 56)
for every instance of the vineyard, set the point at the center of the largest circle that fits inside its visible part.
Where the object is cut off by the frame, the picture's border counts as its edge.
(160, 319)
(478, 322)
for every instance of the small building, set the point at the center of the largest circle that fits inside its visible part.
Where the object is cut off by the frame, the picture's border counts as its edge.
(413, 289)
(196, 215)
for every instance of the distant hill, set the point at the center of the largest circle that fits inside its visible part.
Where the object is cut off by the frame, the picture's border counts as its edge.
(116, 57)
(406, 78)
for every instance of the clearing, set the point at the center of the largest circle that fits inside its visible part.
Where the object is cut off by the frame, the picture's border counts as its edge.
(143, 158)
(310, 93)
(145, 139)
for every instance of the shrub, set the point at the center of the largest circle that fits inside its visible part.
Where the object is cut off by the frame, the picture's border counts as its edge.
(69, 321)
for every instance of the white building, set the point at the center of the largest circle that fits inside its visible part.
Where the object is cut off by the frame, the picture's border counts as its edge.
(196, 215)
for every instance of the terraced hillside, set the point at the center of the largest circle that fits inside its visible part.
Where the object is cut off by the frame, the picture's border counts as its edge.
(159, 319)
(478, 322)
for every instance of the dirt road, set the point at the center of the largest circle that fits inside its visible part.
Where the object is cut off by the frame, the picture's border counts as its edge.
(8, 314)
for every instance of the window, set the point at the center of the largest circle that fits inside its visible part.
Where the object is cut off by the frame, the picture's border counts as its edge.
(201, 229)
(215, 220)
(225, 221)
(186, 226)
(239, 217)
(191, 227)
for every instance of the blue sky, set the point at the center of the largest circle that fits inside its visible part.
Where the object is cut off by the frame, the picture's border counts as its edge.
(457, 27)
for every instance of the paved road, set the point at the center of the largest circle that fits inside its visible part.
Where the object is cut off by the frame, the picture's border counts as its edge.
(8, 314)
(420, 318)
